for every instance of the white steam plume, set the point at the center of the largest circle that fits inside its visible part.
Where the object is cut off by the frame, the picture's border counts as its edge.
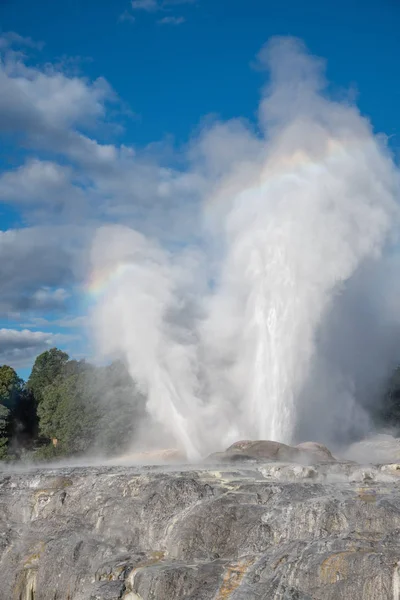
(301, 219)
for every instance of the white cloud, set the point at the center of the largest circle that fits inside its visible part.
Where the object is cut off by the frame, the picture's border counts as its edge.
(39, 176)
(37, 266)
(99, 180)
(47, 184)
(46, 100)
(45, 297)
(171, 21)
(56, 99)
(47, 107)
(19, 347)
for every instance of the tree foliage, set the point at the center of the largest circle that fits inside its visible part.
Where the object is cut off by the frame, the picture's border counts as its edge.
(67, 407)
(66, 415)
(17, 412)
(47, 367)
(388, 411)
(10, 386)
(4, 430)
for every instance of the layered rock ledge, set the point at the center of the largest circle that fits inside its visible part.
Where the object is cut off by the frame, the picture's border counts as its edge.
(257, 529)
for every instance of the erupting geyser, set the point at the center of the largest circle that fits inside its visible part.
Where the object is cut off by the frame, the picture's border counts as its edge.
(247, 339)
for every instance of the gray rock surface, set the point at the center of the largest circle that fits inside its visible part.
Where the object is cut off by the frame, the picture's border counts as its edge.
(258, 530)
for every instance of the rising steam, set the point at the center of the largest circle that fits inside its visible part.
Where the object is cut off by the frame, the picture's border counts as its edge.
(264, 333)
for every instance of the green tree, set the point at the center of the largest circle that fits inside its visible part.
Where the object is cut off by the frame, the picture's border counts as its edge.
(4, 431)
(66, 416)
(388, 411)
(11, 389)
(47, 368)
(89, 408)
(67, 407)
(11, 386)
(24, 421)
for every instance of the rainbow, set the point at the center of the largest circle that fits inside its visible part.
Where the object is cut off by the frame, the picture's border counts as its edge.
(102, 279)
(277, 168)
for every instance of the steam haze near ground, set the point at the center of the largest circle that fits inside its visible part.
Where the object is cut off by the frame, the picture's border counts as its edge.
(280, 322)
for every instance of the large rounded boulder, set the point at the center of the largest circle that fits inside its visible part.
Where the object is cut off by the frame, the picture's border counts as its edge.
(267, 450)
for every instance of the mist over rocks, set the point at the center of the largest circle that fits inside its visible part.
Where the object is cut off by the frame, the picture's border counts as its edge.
(378, 448)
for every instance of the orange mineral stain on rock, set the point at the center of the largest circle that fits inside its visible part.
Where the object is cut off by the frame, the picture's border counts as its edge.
(338, 565)
(367, 495)
(334, 568)
(233, 578)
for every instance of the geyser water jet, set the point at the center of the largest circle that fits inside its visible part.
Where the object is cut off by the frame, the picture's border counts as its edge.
(296, 213)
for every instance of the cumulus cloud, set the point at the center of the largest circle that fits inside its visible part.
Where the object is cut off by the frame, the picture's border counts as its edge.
(47, 299)
(19, 347)
(35, 181)
(57, 100)
(36, 266)
(41, 185)
(46, 108)
(96, 180)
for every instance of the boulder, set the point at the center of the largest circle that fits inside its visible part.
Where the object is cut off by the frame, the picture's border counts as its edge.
(265, 450)
(316, 452)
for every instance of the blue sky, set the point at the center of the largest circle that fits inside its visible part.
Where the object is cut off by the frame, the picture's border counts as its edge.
(103, 99)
